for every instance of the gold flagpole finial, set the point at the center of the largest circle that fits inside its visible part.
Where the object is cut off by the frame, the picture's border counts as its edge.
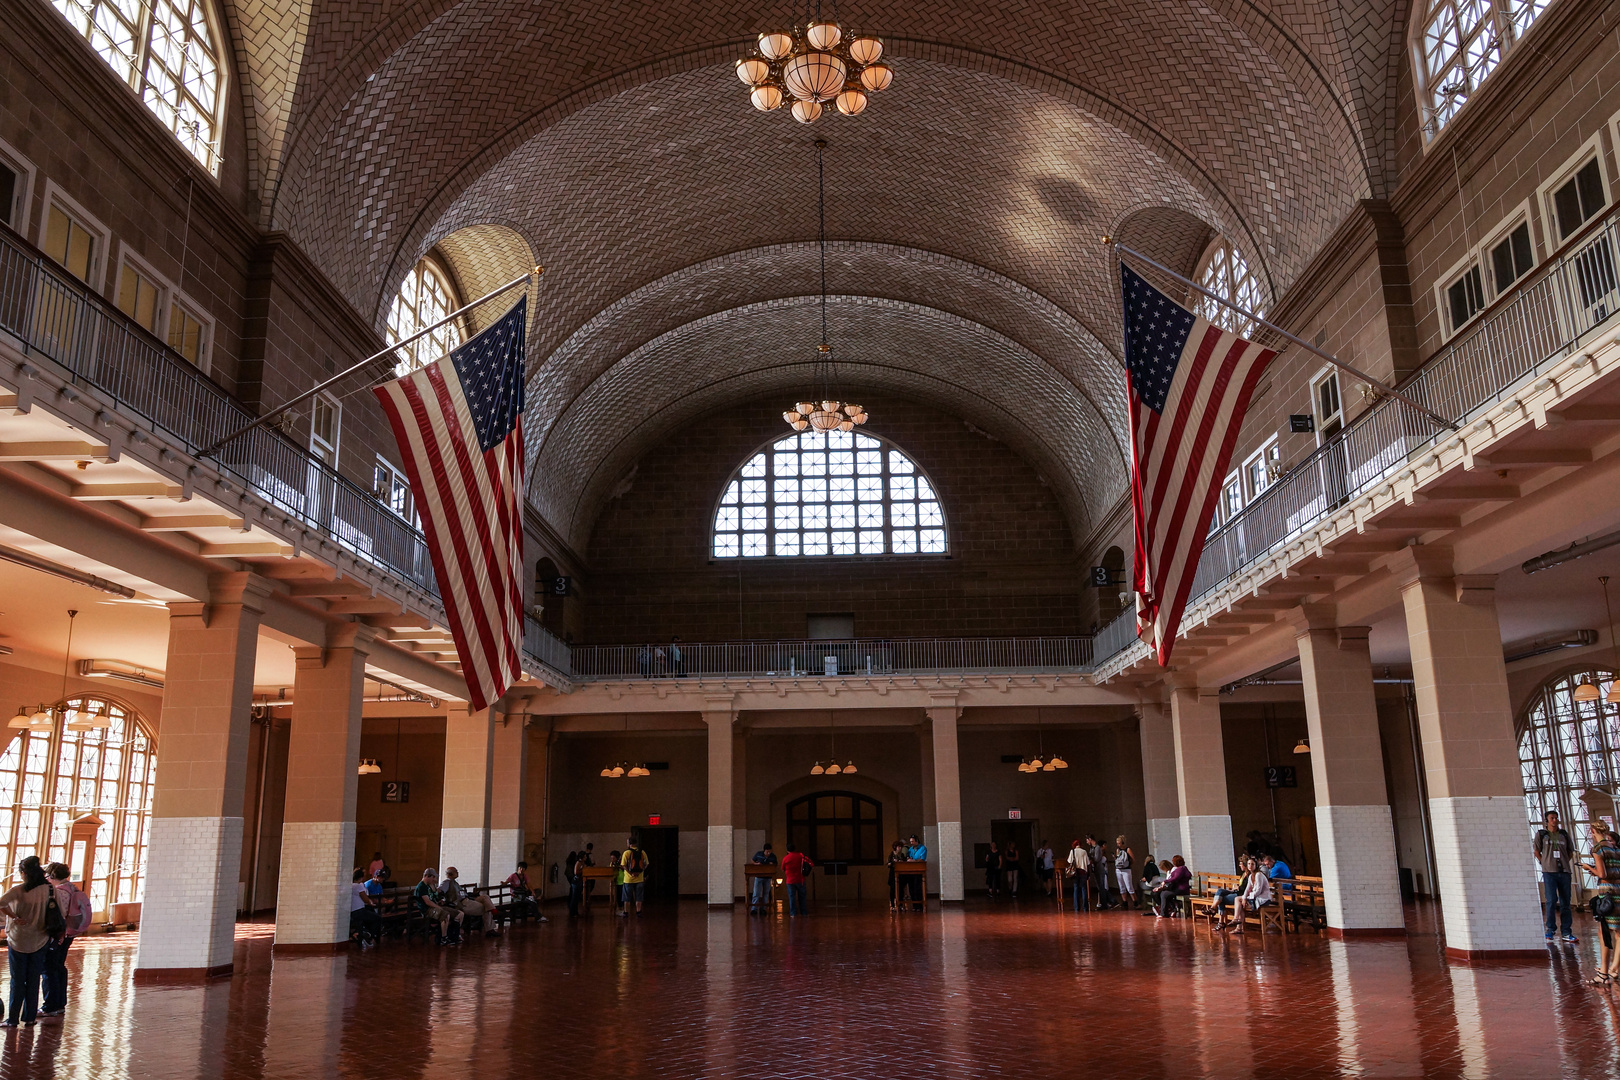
(1107, 241)
(538, 270)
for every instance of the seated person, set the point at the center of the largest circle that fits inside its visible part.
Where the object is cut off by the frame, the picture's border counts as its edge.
(1150, 872)
(523, 899)
(1256, 894)
(1223, 897)
(1176, 883)
(364, 922)
(425, 896)
(472, 903)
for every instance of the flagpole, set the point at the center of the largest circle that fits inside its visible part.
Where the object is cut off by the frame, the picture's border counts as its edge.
(1274, 328)
(373, 358)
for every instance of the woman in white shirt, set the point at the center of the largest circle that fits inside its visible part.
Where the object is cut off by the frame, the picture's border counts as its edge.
(1256, 895)
(24, 909)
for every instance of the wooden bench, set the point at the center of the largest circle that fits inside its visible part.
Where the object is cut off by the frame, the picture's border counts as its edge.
(1203, 903)
(1303, 900)
(400, 918)
(1201, 900)
(509, 906)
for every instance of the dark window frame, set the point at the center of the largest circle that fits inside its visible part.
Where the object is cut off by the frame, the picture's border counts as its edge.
(803, 833)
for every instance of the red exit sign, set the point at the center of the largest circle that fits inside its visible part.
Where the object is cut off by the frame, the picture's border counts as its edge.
(653, 819)
(1014, 814)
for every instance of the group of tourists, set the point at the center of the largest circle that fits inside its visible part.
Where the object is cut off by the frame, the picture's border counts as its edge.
(44, 913)
(1556, 855)
(629, 879)
(449, 905)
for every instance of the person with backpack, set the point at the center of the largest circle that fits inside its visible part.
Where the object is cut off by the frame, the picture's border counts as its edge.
(1605, 905)
(633, 865)
(75, 907)
(33, 919)
(1555, 854)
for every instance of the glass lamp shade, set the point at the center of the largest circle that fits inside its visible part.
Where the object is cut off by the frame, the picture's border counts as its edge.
(800, 425)
(606, 772)
(846, 425)
(1586, 691)
(101, 718)
(824, 421)
(806, 407)
(618, 771)
(852, 411)
(832, 406)
(806, 112)
(865, 50)
(823, 35)
(20, 721)
(792, 416)
(817, 769)
(752, 70)
(1613, 696)
(1049, 767)
(42, 718)
(834, 769)
(775, 44)
(814, 76)
(852, 102)
(766, 98)
(78, 720)
(1058, 762)
(877, 77)
(1303, 747)
(850, 768)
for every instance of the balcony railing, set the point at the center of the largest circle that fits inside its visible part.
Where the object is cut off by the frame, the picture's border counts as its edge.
(819, 659)
(1542, 319)
(56, 316)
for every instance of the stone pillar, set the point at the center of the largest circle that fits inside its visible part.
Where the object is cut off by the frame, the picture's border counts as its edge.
(741, 851)
(1354, 828)
(323, 750)
(947, 800)
(720, 714)
(469, 765)
(194, 857)
(1160, 793)
(1470, 757)
(509, 785)
(1206, 821)
(930, 819)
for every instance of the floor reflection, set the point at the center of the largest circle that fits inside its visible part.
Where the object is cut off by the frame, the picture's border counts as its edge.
(984, 990)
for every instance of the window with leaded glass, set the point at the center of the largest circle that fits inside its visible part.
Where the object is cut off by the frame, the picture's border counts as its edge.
(1226, 274)
(837, 826)
(1461, 43)
(424, 298)
(833, 493)
(1567, 746)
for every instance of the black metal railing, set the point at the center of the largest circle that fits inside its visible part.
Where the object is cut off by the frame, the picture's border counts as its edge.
(813, 659)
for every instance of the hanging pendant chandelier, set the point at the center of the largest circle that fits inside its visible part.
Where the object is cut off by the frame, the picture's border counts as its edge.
(812, 65)
(625, 769)
(821, 411)
(1041, 762)
(832, 768)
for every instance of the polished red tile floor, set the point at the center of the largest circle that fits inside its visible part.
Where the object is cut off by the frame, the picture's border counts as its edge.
(989, 990)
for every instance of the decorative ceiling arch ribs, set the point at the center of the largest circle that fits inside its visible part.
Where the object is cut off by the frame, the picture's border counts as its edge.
(784, 272)
(900, 348)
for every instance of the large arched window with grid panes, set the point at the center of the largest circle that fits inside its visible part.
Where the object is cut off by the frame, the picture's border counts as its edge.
(1459, 45)
(1225, 272)
(424, 297)
(169, 53)
(1567, 747)
(832, 493)
(81, 795)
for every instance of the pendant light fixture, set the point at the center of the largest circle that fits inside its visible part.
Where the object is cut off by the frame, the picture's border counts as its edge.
(820, 411)
(43, 718)
(1040, 762)
(814, 64)
(1302, 747)
(624, 769)
(832, 768)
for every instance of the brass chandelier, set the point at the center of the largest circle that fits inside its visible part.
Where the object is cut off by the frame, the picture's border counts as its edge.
(812, 64)
(820, 411)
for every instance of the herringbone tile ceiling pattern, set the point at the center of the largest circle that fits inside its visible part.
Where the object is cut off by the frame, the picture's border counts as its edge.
(677, 225)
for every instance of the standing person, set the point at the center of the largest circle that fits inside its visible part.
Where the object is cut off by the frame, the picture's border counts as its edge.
(1605, 866)
(24, 907)
(1556, 854)
(897, 854)
(1125, 871)
(1043, 866)
(794, 866)
(634, 863)
(762, 884)
(992, 870)
(677, 658)
(917, 851)
(1009, 868)
(644, 657)
(376, 864)
(588, 856)
(575, 869)
(1099, 870)
(75, 908)
(1079, 863)
(617, 895)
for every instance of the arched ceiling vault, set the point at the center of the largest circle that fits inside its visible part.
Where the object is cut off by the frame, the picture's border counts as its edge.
(954, 364)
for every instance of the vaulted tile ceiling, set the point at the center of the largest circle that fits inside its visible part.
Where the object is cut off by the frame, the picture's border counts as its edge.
(965, 206)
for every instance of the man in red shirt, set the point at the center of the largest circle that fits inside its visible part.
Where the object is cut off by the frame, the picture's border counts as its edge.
(794, 867)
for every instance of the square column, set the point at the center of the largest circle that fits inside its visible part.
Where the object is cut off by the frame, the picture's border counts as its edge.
(1354, 828)
(1470, 758)
(720, 714)
(1206, 820)
(509, 787)
(469, 765)
(194, 857)
(317, 835)
(741, 851)
(1159, 789)
(947, 800)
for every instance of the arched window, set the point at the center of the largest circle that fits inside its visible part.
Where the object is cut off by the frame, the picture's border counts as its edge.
(424, 298)
(1226, 274)
(50, 780)
(833, 493)
(1461, 44)
(168, 52)
(1566, 747)
(837, 826)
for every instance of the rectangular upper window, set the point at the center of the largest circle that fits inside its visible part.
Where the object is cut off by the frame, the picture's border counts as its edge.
(188, 334)
(1512, 257)
(1464, 297)
(1578, 199)
(139, 296)
(71, 243)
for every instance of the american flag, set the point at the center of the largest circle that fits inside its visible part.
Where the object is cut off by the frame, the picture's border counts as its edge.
(1189, 384)
(457, 424)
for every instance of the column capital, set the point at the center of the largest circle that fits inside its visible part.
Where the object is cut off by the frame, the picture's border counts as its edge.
(1312, 616)
(242, 587)
(1422, 562)
(716, 706)
(944, 705)
(1179, 679)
